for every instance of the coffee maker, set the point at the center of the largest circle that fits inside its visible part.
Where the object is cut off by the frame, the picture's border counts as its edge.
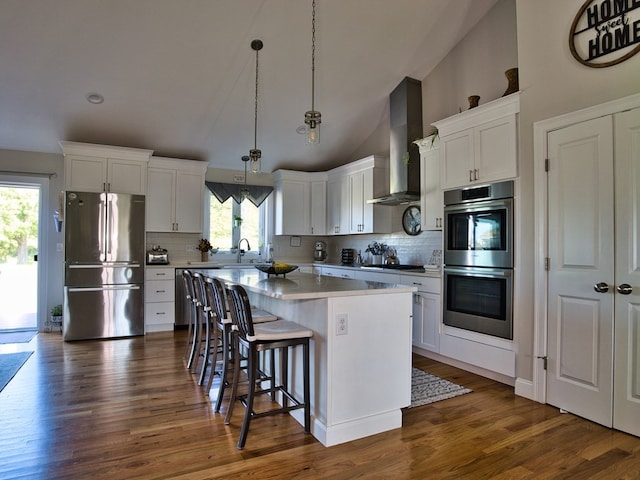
(320, 252)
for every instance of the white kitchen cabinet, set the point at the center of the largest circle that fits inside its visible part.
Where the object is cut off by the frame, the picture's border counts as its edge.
(337, 272)
(480, 145)
(373, 276)
(175, 195)
(338, 211)
(364, 179)
(103, 168)
(431, 198)
(159, 299)
(426, 310)
(301, 203)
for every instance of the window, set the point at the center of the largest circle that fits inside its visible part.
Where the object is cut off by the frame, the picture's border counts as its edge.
(228, 222)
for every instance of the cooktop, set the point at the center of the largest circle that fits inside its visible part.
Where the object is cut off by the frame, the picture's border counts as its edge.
(398, 266)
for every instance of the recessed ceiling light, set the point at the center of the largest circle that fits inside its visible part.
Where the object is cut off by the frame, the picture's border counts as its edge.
(302, 130)
(94, 98)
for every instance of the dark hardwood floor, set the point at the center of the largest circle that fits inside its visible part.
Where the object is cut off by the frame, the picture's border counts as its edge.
(127, 409)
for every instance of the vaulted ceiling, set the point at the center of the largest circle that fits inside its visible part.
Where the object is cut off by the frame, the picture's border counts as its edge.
(178, 76)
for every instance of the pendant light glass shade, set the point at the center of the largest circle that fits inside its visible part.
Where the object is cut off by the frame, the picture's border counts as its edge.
(245, 190)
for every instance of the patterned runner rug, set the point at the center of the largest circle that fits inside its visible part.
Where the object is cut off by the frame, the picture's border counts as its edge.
(10, 363)
(427, 388)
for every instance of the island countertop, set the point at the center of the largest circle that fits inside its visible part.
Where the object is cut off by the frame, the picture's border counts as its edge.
(300, 286)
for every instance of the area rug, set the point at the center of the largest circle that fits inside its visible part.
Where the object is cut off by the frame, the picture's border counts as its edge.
(23, 336)
(10, 363)
(427, 388)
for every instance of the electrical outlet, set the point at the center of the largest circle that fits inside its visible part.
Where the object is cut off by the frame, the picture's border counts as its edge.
(191, 248)
(59, 247)
(342, 324)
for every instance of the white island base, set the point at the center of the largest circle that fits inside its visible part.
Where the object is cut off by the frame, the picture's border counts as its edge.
(360, 369)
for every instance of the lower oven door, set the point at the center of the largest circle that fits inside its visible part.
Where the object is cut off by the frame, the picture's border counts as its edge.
(479, 299)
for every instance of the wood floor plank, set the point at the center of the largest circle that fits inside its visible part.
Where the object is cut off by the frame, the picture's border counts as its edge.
(129, 409)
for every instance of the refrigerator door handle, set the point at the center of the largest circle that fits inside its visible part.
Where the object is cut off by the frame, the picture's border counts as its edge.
(109, 225)
(106, 287)
(106, 264)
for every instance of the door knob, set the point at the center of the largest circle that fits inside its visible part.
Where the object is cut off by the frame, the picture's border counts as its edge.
(601, 287)
(624, 289)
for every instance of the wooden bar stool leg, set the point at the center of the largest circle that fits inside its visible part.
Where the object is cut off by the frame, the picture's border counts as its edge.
(236, 378)
(251, 370)
(306, 387)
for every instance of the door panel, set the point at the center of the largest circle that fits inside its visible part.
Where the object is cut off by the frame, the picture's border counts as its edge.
(626, 412)
(581, 249)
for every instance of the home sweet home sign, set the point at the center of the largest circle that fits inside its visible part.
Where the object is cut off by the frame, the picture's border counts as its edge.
(605, 32)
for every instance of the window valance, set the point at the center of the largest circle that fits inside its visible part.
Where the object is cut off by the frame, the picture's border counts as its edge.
(222, 191)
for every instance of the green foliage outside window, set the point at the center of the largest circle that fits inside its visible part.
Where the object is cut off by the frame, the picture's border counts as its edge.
(18, 224)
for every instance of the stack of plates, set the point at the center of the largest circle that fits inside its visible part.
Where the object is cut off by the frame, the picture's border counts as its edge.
(347, 256)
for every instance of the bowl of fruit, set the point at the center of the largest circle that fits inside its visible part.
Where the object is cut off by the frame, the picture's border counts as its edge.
(276, 268)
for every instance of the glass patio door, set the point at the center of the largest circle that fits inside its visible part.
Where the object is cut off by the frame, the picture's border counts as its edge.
(19, 222)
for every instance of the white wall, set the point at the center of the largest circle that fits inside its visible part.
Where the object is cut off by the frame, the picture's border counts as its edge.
(33, 162)
(552, 83)
(475, 66)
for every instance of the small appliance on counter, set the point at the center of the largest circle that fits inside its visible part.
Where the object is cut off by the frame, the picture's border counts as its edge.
(157, 256)
(347, 256)
(320, 252)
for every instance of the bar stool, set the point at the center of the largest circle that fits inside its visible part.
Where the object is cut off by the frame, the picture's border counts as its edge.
(190, 347)
(221, 325)
(270, 336)
(202, 326)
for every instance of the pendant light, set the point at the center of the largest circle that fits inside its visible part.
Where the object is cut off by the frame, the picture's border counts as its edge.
(255, 153)
(313, 118)
(245, 191)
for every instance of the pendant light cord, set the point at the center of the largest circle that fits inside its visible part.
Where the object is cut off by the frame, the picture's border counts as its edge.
(313, 54)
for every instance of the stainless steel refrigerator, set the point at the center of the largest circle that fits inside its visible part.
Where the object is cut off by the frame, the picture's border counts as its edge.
(104, 251)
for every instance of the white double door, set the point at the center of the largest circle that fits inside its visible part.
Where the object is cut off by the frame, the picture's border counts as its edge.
(593, 334)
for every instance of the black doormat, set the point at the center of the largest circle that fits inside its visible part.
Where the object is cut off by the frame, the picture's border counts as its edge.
(10, 363)
(23, 336)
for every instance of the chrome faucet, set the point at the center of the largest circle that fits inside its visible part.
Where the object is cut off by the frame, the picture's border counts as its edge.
(240, 251)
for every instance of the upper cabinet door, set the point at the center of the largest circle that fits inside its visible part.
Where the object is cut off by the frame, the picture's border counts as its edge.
(176, 195)
(189, 201)
(126, 176)
(85, 174)
(458, 165)
(480, 145)
(101, 168)
(161, 198)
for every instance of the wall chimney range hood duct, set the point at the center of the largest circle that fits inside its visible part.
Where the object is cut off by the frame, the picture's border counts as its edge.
(404, 155)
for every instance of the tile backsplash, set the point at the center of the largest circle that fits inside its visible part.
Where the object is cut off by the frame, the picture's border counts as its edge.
(419, 250)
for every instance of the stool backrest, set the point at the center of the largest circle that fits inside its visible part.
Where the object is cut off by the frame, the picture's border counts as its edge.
(197, 289)
(240, 310)
(214, 291)
(187, 278)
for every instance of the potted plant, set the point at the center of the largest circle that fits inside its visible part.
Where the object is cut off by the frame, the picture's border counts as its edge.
(377, 250)
(56, 316)
(205, 247)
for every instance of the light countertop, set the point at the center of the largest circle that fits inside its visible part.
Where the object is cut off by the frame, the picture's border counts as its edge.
(300, 286)
(434, 273)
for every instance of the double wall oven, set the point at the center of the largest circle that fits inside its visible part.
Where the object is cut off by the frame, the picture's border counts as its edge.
(478, 259)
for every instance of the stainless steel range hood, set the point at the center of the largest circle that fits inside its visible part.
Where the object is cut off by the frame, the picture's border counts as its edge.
(404, 156)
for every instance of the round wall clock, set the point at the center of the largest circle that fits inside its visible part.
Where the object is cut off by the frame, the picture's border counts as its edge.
(411, 220)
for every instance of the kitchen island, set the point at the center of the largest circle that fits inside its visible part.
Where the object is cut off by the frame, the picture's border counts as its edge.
(360, 370)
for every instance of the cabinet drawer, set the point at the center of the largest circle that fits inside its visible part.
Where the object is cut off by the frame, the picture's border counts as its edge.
(338, 272)
(159, 274)
(423, 284)
(159, 313)
(159, 291)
